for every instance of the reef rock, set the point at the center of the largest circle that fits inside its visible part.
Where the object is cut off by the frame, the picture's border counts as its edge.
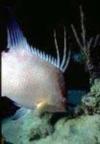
(32, 129)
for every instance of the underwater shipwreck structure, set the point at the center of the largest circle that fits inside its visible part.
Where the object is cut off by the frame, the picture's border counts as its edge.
(82, 126)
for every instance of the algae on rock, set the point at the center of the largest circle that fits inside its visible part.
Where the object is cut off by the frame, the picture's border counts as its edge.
(27, 128)
(33, 130)
(91, 101)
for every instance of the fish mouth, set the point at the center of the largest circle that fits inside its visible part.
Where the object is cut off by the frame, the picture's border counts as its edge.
(45, 107)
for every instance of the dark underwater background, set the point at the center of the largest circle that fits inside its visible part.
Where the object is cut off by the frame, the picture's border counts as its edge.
(37, 20)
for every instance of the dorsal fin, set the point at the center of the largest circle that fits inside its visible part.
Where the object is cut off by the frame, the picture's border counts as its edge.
(16, 40)
(15, 37)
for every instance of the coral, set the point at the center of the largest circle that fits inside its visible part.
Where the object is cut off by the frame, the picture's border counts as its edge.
(91, 101)
(96, 87)
(73, 131)
(86, 48)
(31, 129)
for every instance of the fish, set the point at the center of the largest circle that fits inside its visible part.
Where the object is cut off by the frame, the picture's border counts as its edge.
(30, 77)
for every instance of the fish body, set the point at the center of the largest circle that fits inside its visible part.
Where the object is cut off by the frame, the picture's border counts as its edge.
(30, 77)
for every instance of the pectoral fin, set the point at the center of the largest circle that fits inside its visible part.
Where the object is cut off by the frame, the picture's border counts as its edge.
(21, 112)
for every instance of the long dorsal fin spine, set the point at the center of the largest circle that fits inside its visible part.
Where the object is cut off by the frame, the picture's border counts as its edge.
(64, 51)
(67, 61)
(57, 49)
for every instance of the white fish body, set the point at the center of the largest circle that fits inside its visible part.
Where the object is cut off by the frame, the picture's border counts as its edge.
(29, 77)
